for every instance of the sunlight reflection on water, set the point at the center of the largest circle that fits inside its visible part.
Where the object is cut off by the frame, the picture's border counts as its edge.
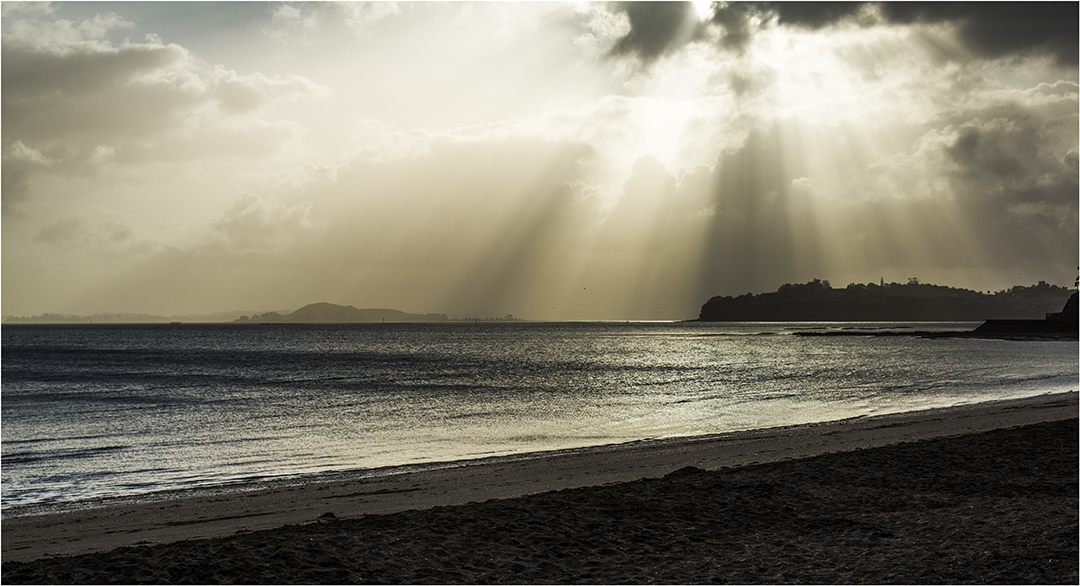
(105, 410)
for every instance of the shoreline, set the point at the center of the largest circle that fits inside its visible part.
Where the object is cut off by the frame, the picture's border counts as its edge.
(361, 475)
(223, 511)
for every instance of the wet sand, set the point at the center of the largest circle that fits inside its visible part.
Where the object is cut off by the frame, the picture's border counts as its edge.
(992, 499)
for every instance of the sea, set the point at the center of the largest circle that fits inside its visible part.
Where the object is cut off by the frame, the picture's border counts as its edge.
(94, 411)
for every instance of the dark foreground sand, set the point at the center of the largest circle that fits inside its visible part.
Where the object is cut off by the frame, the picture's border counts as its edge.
(988, 507)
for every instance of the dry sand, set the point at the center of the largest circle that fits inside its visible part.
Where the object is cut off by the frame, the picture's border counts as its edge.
(971, 507)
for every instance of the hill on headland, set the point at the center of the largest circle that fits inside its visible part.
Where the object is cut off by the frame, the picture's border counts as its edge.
(330, 313)
(912, 301)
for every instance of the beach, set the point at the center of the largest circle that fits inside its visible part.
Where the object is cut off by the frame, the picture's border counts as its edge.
(980, 493)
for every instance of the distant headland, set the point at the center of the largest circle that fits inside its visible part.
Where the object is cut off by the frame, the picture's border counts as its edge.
(313, 313)
(330, 313)
(911, 301)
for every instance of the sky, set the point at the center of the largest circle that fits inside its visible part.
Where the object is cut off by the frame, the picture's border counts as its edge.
(546, 160)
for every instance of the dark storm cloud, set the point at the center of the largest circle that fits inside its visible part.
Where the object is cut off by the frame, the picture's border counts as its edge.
(999, 28)
(1015, 180)
(1011, 147)
(989, 29)
(811, 14)
(656, 28)
(734, 20)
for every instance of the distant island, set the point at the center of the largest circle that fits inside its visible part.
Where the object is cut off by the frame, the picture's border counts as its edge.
(121, 318)
(911, 301)
(330, 313)
(314, 313)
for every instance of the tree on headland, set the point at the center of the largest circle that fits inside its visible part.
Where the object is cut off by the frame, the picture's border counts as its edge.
(913, 301)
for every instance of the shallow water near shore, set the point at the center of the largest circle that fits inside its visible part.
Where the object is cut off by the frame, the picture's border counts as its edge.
(113, 410)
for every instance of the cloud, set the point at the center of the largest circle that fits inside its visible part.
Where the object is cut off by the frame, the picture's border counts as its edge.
(740, 21)
(16, 187)
(812, 14)
(596, 29)
(67, 231)
(255, 223)
(294, 23)
(1001, 28)
(34, 28)
(656, 28)
(734, 19)
(110, 239)
(987, 30)
(19, 162)
(81, 101)
(35, 71)
(297, 23)
(35, 9)
(990, 30)
(132, 91)
(241, 94)
(362, 16)
(1015, 147)
(1014, 177)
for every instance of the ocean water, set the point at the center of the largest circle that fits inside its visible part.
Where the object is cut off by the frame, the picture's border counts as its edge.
(90, 411)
